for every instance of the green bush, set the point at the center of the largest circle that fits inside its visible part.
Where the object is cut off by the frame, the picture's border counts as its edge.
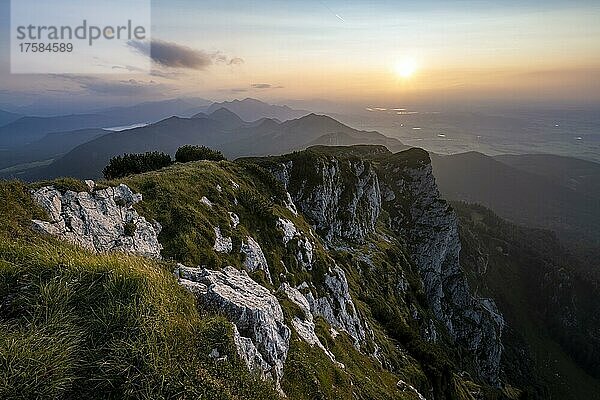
(131, 164)
(190, 153)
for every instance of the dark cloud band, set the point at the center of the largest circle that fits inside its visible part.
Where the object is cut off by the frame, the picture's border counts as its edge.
(173, 55)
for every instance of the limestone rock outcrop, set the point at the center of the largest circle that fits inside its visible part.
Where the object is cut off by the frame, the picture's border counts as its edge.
(341, 197)
(261, 336)
(344, 197)
(101, 220)
(223, 244)
(337, 307)
(305, 327)
(254, 258)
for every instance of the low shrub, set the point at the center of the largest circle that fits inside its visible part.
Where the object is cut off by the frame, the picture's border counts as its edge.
(190, 153)
(131, 164)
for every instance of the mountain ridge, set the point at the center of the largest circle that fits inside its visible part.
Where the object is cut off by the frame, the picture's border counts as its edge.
(332, 272)
(538, 202)
(224, 134)
(250, 109)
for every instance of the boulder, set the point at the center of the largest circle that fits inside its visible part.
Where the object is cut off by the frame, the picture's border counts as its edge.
(260, 334)
(222, 244)
(102, 220)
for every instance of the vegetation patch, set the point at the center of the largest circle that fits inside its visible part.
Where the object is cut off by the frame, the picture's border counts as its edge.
(190, 153)
(130, 164)
(63, 185)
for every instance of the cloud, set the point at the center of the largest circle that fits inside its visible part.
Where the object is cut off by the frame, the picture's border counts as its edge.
(264, 86)
(173, 55)
(254, 86)
(236, 61)
(261, 86)
(167, 75)
(128, 68)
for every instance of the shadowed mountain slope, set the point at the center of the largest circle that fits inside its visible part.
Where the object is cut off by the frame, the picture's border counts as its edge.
(518, 195)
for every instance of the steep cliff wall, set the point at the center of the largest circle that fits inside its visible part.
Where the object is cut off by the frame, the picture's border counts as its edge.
(344, 193)
(430, 228)
(341, 197)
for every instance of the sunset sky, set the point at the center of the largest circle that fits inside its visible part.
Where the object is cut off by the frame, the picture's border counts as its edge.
(350, 51)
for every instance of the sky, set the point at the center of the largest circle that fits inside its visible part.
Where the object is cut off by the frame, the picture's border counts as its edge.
(361, 52)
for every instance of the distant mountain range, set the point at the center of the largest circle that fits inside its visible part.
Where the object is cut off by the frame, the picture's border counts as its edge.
(558, 193)
(222, 129)
(50, 146)
(68, 105)
(582, 176)
(27, 130)
(155, 111)
(26, 141)
(23, 131)
(252, 110)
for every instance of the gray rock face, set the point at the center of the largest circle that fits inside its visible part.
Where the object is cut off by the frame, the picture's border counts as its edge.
(337, 307)
(254, 258)
(431, 230)
(249, 353)
(289, 204)
(342, 198)
(101, 221)
(288, 229)
(304, 254)
(235, 220)
(222, 244)
(305, 327)
(262, 337)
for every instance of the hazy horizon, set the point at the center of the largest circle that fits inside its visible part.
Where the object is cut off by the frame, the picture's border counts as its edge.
(355, 55)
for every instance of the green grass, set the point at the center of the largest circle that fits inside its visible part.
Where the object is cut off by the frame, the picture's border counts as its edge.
(173, 197)
(79, 325)
(17, 209)
(63, 185)
(311, 375)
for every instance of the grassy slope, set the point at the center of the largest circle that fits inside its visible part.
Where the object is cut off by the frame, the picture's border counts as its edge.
(121, 327)
(78, 325)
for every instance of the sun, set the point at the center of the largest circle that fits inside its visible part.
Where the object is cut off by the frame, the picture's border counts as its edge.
(406, 68)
